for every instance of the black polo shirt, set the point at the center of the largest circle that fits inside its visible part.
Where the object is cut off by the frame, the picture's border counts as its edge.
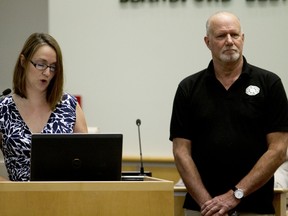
(228, 128)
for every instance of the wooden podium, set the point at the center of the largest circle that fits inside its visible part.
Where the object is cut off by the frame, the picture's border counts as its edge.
(122, 198)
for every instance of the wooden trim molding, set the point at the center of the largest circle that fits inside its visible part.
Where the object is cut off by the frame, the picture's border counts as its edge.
(148, 159)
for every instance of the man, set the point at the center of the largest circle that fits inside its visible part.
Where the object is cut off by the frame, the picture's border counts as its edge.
(229, 128)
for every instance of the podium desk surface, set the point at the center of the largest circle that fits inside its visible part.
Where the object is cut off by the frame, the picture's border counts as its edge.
(148, 184)
(149, 197)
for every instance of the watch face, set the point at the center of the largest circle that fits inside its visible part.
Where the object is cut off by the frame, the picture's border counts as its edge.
(238, 194)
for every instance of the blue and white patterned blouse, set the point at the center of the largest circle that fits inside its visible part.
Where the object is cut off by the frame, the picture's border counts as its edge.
(16, 139)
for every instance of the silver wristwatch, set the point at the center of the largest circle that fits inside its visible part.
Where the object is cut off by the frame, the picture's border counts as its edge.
(238, 193)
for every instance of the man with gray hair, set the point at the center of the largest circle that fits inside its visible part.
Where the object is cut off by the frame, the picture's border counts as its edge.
(229, 128)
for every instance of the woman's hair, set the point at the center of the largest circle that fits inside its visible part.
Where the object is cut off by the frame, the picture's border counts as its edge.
(32, 44)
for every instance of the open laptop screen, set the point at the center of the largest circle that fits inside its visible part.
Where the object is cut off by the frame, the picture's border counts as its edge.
(76, 157)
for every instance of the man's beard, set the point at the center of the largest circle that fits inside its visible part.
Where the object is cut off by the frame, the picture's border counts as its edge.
(230, 57)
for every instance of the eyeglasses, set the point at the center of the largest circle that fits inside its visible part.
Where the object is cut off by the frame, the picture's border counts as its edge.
(43, 67)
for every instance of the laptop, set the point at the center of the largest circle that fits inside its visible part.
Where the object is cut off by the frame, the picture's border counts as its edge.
(76, 157)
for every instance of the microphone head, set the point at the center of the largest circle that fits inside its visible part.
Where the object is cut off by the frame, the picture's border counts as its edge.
(6, 92)
(138, 122)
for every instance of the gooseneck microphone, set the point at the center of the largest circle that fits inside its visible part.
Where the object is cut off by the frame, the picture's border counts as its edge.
(138, 123)
(5, 92)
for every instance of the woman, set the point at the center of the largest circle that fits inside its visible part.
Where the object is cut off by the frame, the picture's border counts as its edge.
(38, 104)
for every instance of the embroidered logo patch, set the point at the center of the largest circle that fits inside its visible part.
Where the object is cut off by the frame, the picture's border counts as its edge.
(252, 90)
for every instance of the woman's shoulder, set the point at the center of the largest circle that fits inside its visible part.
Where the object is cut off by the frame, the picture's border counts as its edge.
(7, 106)
(6, 101)
(68, 96)
(67, 101)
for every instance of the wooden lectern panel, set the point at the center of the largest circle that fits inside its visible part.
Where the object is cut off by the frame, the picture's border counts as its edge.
(147, 198)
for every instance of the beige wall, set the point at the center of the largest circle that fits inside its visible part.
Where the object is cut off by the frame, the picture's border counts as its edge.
(18, 19)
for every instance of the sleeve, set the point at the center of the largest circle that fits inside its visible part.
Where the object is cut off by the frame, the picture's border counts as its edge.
(277, 108)
(180, 115)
